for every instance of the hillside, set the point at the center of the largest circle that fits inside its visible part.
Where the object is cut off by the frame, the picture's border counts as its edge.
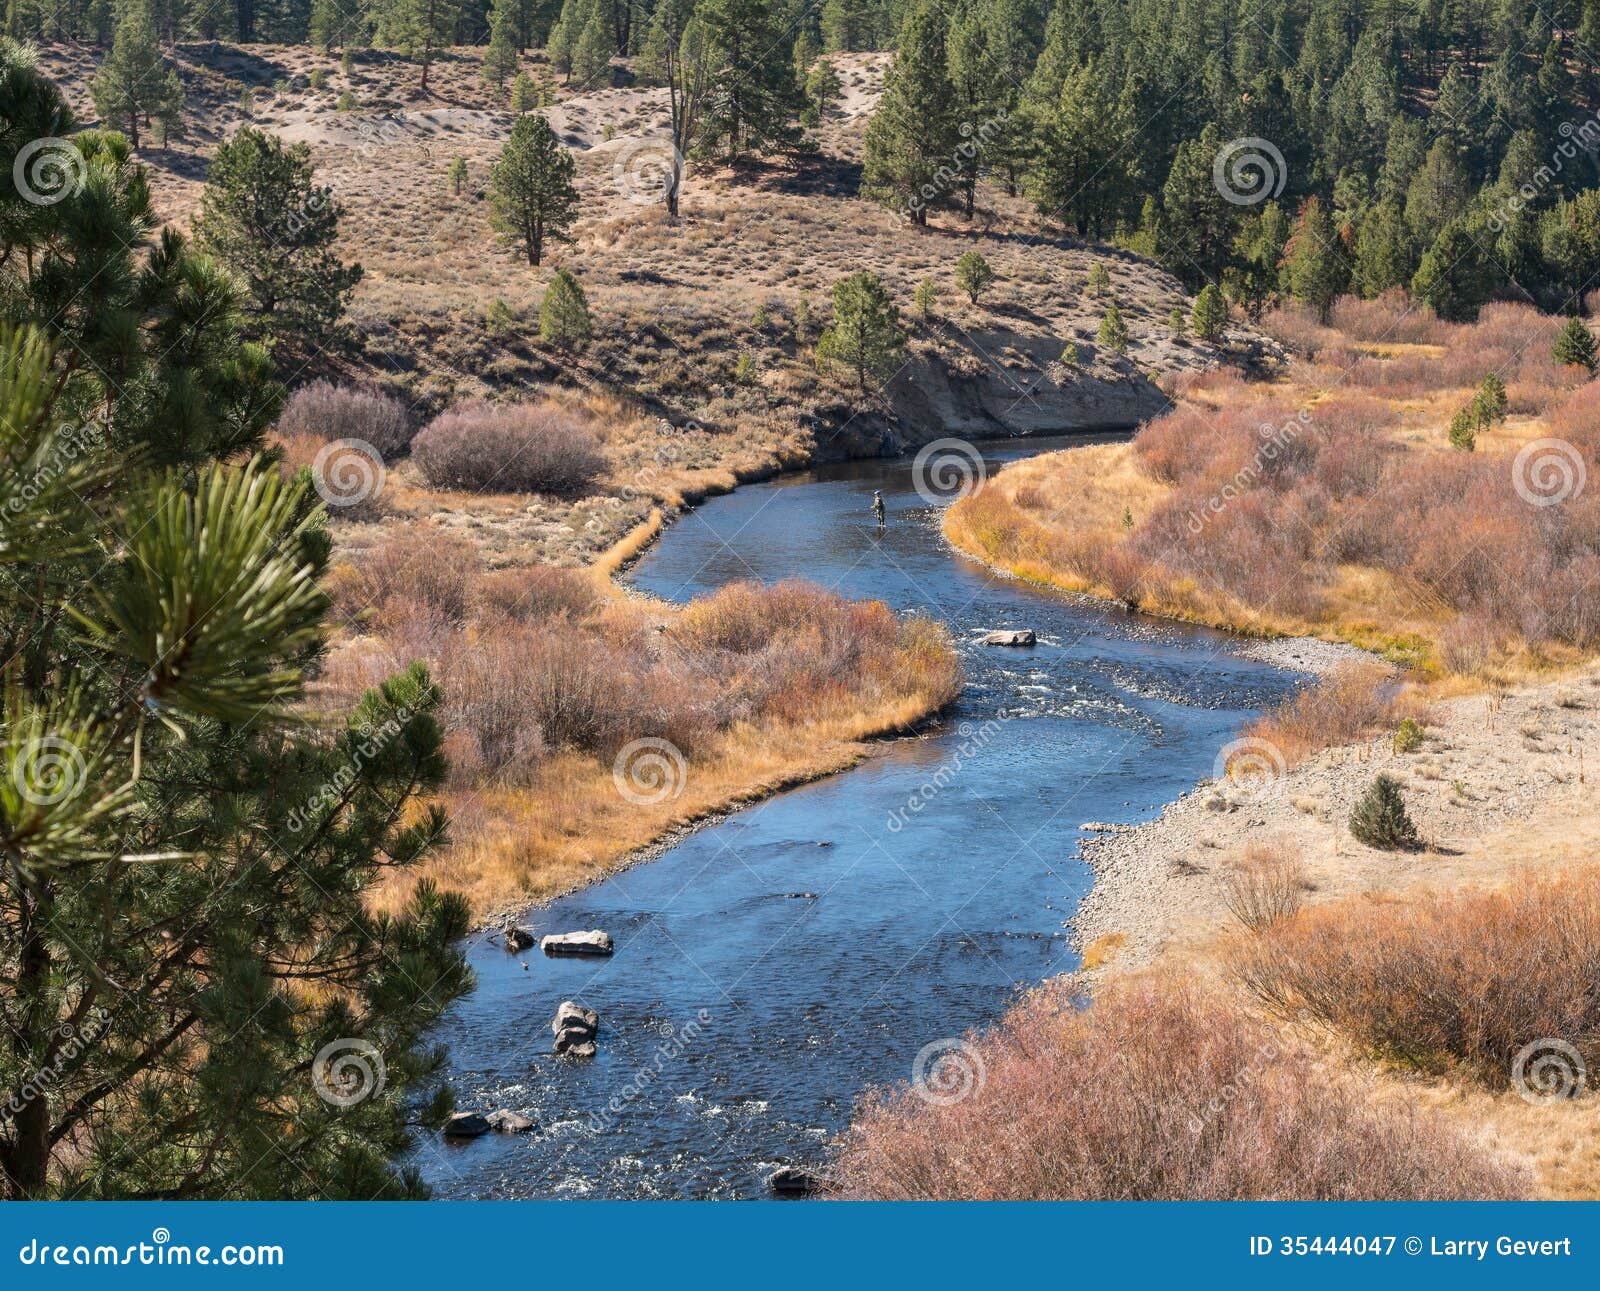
(745, 272)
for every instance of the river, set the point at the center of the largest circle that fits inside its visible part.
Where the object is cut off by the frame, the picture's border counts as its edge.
(772, 966)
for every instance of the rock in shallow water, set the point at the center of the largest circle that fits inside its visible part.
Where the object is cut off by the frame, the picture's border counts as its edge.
(518, 939)
(465, 1125)
(792, 1181)
(1009, 637)
(593, 942)
(509, 1122)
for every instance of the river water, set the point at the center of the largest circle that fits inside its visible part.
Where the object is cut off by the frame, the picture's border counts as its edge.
(771, 967)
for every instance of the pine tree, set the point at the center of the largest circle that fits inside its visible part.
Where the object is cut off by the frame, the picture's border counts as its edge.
(264, 217)
(501, 61)
(1439, 192)
(1099, 279)
(524, 95)
(977, 80)
(1491, 402)
(1315, 263)
(564, 311)
(531, 188)
(1197, 222)
(1380, 818)
(457, 177)
(973, 275)
(1210, 317)
(1084, 169)
(188, 868)
(865, 333)
(926, 298)
(754, 94)
(136, 84)
(1113, 331)
(1454, 278)
(913, 134)
(1384, 257)
(421, 27)
(1575, 345)
(1464, 429)
(590, 62)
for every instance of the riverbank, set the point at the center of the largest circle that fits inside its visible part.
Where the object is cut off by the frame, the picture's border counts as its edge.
(1421, 499)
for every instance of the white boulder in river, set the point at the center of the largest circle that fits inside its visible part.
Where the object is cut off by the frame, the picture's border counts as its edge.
(1010, 637)
(593, 942)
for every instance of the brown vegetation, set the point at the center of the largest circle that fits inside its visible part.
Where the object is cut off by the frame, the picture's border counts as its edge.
(515, 448)
(322, 410)
(1442, 981)
(549, 682)
(1331, 503)
(1155, 1091)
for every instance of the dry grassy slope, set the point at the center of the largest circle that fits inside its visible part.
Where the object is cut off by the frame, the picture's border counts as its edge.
(675, 305)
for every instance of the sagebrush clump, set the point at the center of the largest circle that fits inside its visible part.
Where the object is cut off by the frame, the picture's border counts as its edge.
(327, 411)
(508, 448)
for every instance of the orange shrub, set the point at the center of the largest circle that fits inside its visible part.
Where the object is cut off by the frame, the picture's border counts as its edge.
(1443, 980)
(1350, 703)
(1153, 1092)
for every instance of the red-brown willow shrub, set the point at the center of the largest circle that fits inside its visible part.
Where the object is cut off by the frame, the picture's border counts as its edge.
(1349, 703)
(410, 572)
(327, 411)
(508, 448)
(1155, 1091)
(1465, 979)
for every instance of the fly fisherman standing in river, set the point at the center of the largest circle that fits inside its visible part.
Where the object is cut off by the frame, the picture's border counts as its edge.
(877, 507)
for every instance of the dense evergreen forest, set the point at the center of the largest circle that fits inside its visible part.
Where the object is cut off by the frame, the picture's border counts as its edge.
(1306, 147)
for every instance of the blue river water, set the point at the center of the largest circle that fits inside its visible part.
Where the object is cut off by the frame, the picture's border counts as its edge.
(773, 966)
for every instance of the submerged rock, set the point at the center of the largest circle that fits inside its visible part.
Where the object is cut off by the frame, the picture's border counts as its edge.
(518, 939)
(1009, 637)
(593, 942)
(466, 1125)
(793, 1181)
